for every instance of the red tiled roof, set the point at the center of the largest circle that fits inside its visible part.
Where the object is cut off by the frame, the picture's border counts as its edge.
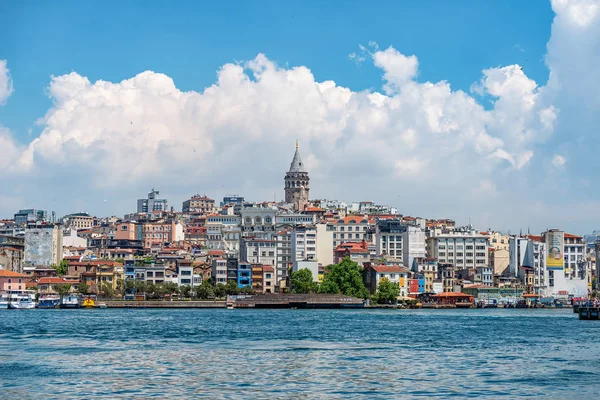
(393, 269)
(55, 280)
(535, 238)
(268, 268)
(570, 236)
(216, 252)
(10, 274)
(358, 219)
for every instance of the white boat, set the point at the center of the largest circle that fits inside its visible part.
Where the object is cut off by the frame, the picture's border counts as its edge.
(70, 301)
(3, 301)
(21, 300)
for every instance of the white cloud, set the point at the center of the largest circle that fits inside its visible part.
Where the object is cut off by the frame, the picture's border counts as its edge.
(433, 145)
(558, 161)
(6, 84)
(397, 68)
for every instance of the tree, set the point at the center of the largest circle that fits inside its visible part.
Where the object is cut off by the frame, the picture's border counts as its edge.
(220, 290)
(62, 289)
(302, 281)
(62, 268)
(344, 278)
(387, 292)
(205, 291)
(185, 290)
(231, 288)
(106, 290)
(83, 288)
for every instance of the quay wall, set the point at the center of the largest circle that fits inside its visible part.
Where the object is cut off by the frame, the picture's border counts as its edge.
(164, 304)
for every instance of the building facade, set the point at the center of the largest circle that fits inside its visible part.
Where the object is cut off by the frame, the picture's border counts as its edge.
(152, 203)
(199, 204)
(43, 245)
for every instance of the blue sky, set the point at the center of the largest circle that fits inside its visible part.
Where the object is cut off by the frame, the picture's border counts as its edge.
(473, 110)
(189, 41)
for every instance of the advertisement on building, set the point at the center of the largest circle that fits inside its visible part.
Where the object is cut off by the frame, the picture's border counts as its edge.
(555, 245)
(438, 287)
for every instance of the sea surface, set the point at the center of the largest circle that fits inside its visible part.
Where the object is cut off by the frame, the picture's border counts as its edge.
(299, 354)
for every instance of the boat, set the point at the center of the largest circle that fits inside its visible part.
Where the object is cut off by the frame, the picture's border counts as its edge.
(70, 301)
(102, 305)
(3, 301)
(49, 300)
(89, 302)
(21, 300)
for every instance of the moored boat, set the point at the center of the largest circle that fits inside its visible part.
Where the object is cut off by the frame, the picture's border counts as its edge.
(3, 301)
(89, 302)
(50, 300)
(70, 301)
(21, 300)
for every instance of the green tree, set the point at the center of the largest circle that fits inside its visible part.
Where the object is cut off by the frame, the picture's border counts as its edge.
(83, 288)
(170, 287)
(205, 291)
(387, 292)
(220, 290)
(62, 268)
(106, 290)
(231, 288)
(302, 282)
(185, 290)
(344, 278)
(62, 289)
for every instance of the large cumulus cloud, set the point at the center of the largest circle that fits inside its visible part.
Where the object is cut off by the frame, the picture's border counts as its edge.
(421, 146)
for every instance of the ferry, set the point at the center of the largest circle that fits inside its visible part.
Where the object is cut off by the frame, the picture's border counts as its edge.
(21, 300)
(70, 301)
(49, 300)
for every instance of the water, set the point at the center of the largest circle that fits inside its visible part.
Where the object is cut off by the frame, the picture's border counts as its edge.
(138, 353)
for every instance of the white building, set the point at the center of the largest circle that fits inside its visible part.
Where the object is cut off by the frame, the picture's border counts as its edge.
(294, 219)
(565, 263)
(312, 266)
(223, 232)
(464, 250)
(258, 220)
(219, 271)
(284, 254)
(354, 228)
(258, 251)
(313, 243)
(70, 238)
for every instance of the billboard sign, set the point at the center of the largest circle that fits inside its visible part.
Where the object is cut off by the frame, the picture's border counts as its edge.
(554, 245)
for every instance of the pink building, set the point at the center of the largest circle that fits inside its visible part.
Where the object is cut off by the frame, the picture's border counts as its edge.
(128, 231)
(159, 233)
(12, 280)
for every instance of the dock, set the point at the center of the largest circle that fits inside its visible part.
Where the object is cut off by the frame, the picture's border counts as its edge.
(298, 301)
(586, 312)
(163, 304)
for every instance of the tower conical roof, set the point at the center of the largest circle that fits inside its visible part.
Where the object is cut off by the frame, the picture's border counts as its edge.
(297, 165)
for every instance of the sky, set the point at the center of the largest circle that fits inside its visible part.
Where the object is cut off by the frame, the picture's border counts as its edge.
(477, 111)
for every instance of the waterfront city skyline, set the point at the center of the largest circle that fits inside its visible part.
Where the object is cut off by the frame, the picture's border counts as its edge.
(500, 132)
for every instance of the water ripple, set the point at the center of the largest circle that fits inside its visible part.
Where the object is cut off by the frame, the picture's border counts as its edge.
(300, 354)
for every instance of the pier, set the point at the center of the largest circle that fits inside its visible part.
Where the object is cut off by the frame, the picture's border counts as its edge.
(164, 304)
(588, 312)
(298, 301)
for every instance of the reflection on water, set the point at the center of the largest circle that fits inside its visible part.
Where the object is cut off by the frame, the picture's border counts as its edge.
(297, 353)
